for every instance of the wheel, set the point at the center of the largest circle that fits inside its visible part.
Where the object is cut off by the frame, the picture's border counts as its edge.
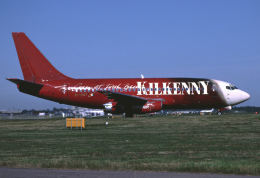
(219, 113)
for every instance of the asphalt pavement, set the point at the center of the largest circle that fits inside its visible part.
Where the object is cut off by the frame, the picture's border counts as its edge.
(57, 173)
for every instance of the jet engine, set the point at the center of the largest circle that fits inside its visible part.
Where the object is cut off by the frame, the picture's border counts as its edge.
(152, 106)
(110, 107)
(149, 107)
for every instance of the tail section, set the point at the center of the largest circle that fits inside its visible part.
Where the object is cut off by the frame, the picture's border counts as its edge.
(35, 67)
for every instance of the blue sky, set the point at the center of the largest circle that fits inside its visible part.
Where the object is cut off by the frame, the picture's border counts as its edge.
(123, 39)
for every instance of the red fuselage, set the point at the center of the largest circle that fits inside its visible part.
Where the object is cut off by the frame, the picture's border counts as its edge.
(175, 93)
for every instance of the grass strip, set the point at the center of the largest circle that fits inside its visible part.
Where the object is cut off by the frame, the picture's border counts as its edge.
(189, 143)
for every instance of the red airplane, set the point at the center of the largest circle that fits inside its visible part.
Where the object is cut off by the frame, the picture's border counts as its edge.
(130, 96)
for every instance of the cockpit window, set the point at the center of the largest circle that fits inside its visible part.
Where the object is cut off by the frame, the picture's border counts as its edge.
(231, 87)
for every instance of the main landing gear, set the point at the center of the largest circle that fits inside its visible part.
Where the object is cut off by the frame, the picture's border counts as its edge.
(129, 115)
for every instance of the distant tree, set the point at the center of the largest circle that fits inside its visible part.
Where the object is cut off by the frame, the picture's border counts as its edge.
(250, 109)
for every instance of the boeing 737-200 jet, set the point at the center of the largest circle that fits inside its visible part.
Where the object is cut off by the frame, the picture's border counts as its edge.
(119, 95)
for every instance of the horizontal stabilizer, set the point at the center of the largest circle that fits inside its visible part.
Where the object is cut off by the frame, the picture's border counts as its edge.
(27, 87)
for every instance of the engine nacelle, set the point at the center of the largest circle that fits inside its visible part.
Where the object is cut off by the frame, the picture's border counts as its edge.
(149, 107)
(110, 107)
(152, 106)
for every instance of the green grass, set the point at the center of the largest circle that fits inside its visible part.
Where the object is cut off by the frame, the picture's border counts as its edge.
(189, 143)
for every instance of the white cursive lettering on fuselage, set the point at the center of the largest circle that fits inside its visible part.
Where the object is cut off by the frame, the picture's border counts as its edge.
(144, 88)
(172, 88)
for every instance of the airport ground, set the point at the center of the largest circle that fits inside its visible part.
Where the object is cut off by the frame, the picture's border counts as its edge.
(54, 173)
(227, 144)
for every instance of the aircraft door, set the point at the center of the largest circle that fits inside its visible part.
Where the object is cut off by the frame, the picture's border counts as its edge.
(64, 91)
(228, 92)
(214, 90)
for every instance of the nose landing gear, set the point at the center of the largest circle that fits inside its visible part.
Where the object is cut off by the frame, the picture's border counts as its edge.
(219, 113)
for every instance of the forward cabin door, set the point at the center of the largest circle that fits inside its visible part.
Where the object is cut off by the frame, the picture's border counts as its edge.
(214, 90)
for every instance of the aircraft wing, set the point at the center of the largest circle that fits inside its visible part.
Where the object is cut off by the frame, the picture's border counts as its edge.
(124, 98)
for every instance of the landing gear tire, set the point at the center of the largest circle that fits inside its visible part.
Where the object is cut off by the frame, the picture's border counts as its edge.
(219, 113)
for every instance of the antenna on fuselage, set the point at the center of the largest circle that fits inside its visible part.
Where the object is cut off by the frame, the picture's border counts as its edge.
(142, 76)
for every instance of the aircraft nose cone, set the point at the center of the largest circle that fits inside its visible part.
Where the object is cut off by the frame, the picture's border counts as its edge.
(245, 96)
